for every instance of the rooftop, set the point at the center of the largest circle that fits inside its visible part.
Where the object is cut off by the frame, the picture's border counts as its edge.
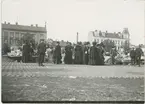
(23, 27)
(112, 35)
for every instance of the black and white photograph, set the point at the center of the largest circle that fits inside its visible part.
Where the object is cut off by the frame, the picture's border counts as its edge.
(68, 51)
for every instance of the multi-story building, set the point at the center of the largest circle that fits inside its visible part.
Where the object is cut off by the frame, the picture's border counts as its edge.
(12, 33)
(118, 38)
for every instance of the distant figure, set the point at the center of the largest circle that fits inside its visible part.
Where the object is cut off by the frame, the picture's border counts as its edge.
(93, 54)
(31, 52)
(138, 53)
(132, 56)
(41, 52)
(86, 53)
(5, 47)
(113, 53)
(49, 54)
(57, 53)
(54, 57)
(26, 52)
(68, 54)
(101, 54)
(78, 54)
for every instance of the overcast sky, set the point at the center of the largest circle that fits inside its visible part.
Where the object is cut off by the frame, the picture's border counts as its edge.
(67, 17)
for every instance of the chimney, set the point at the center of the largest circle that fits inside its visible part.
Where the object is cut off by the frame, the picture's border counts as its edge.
(36, 25)
(5, 22)
(9, 23)
(16, 23)
(31, 25)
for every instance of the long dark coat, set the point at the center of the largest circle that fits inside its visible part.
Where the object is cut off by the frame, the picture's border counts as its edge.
(85, 55)
(57, 54)
(99, 57)
(138, 52)
(25, 53)
(41, 48)
(5, 48)
(41, 52)
(132, 53)
(78, 55)
(68, 55)
(93, 55)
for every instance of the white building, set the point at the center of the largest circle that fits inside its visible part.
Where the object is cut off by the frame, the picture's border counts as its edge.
(118, 38)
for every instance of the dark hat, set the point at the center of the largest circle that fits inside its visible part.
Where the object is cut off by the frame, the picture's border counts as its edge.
(113, 46)
(88, 42)
(98, 44)
(58, 42)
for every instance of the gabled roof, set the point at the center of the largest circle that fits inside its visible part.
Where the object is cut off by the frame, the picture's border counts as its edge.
(23, 28)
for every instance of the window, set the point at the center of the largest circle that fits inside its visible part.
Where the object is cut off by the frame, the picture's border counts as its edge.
(11, 37)
(121, 42)
(118, 42)
(16, 38)
(5, 35)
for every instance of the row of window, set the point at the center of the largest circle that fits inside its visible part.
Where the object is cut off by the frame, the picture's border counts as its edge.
(14, 37)
(115, 41)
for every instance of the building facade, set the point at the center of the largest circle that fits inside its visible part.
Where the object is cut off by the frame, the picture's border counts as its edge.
(118, 38)
(13, 33)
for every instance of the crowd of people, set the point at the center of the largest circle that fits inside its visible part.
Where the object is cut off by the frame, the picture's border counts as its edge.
(78, 54)
(74, 54)
(135, 55)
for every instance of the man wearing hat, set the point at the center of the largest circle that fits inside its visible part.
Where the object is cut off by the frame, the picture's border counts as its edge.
(78, 54)
(85, 53)
(58, 53)
(138, 53)
(132, 56)
(68, 54)
(93, 57)
(41, 52)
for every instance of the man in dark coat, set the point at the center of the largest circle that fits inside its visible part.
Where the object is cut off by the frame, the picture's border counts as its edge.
(26, 52)
(31, 52)
(86, 53)
(78, 54)
(138, 53)
(58, 53)
(93, 55)
(68, 54)
(5, 47)
(101, 52)
(99, 57)
(132, 56)
(41, 52)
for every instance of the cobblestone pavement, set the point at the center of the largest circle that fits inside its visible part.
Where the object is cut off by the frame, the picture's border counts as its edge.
(32, 69)
(29, 82)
